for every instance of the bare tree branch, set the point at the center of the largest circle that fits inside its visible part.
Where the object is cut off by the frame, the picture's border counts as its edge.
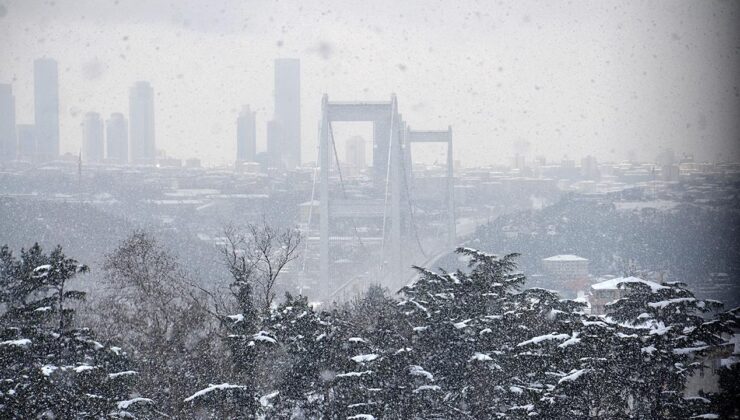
(256, 255)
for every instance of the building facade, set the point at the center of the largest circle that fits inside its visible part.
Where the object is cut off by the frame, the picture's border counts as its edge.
(8, 135)
(246, 135)
(287, 119)
(354, 154)
(570, 272)
(46, 108)
(116, 131)
(141, 124)
(27, 148)
(92, 138)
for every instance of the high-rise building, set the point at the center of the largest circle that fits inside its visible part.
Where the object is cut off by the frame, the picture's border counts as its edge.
(27, 148)
(116, 133)
(354, 154)
(92, 137)
(141, 123)
(246, 136)
(288, 111)
(520, 163)
(46, 107)
(274, 145)
(8, 137)
(590, 168)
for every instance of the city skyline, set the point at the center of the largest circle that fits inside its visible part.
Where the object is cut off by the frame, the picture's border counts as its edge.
(614, 81)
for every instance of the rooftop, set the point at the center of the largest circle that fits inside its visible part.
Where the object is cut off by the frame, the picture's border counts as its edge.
(614, 283)
(565, 257)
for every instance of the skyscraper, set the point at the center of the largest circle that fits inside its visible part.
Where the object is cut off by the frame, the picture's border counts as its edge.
(288, 111)
(354, 154)
(92, 137)
(117, 138)
(8, 138)
(46, 107)
(274, 145)
(27, 149)
(141, 123)
(246, 135)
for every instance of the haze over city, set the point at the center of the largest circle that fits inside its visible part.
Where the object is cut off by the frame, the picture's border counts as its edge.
(369, 210)
(522, 77)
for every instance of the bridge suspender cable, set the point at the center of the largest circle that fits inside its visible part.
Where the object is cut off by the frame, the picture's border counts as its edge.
(411, 208)
(310, 216)
(341, 183)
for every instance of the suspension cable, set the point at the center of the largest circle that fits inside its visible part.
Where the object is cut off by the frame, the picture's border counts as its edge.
(411, 209)
(310, 216)
(387, 186)
(341, 182)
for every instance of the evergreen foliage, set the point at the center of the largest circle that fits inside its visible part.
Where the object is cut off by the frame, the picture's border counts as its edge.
(469, 344)
(49, 367)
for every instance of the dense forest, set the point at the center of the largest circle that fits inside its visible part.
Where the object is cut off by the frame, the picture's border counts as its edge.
(151, 342)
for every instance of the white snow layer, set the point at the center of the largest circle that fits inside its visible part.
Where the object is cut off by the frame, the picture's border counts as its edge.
(614, 283)
(351, 374)
(364, 358)
(572, 340)
(572, 376)
(212, 388)
(262, 336)
(124, 373)
(265, 399)
(416, 370)
(480, 357)
(21, 342)
(565, 257)
(538, 339)
(122, 405)
(426, 388)
(48, 369)
(663, 303)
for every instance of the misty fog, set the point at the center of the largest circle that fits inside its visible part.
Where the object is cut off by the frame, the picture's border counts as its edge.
(367, 210)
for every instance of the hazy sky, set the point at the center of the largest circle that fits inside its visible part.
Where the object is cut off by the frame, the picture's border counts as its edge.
(546, 78)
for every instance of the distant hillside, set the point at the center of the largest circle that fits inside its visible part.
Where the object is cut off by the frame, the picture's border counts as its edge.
(686, 240)
(88, 234)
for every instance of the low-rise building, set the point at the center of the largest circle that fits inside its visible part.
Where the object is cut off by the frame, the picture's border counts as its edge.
(569, 272)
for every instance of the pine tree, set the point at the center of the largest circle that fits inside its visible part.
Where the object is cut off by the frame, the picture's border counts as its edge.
(50, 367)
(247, 344)
(302, 334)
(725, 402)
(671, 333)
(451, 315)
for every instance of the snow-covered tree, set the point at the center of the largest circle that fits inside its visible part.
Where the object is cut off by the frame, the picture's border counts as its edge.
(452, 315)
(663, 332)
(255, 257)
(153, 311)
(725, 402)
(49, 367)
(303, 338)
(634, 361)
